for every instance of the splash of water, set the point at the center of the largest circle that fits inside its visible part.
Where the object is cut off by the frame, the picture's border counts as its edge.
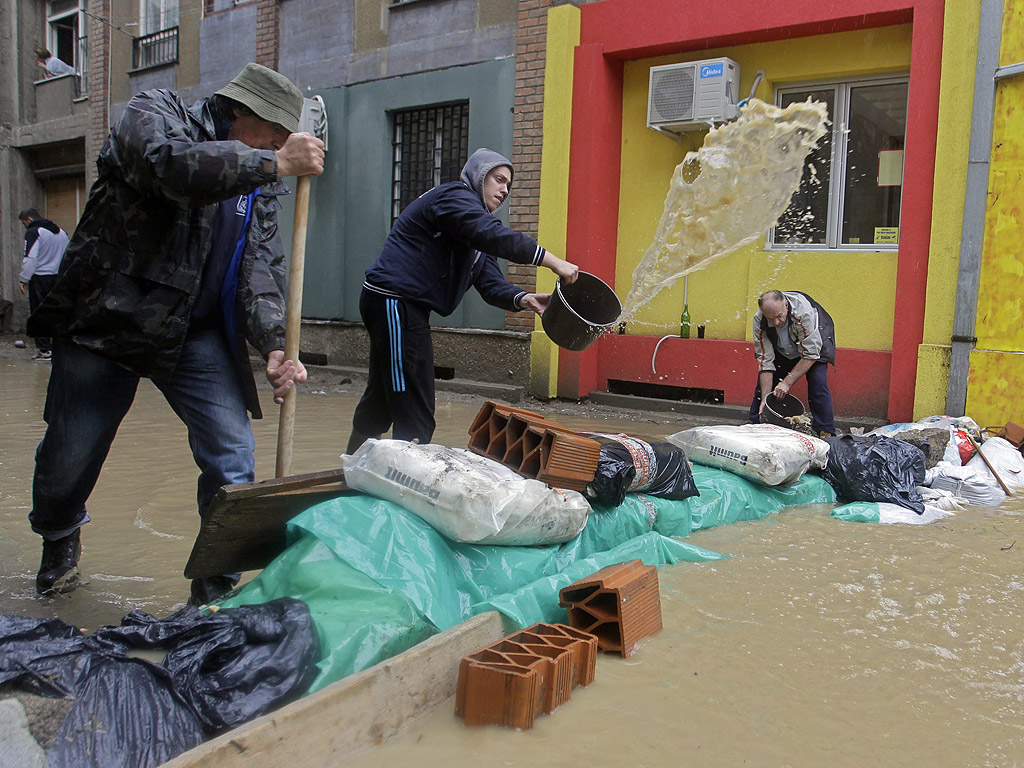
(748, 171)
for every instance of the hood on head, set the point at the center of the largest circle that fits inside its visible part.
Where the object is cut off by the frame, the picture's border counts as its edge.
(480, 163)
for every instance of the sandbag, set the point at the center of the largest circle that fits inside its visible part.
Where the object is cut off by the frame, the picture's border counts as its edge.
(876, 468)
(884, 513)
(631, 465)
(973, 486)
(1006, 459)
(763, 453)
(940, 498)
(467, 497)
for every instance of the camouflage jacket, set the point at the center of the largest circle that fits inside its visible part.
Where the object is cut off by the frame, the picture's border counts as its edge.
(131, 272)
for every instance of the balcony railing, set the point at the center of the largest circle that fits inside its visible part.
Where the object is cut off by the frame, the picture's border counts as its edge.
(155, 49)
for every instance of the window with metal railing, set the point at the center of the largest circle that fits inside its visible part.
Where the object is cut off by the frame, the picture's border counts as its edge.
(430, 146)
(156, 49)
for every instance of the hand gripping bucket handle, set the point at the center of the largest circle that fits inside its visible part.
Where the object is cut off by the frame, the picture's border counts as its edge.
(580, 313)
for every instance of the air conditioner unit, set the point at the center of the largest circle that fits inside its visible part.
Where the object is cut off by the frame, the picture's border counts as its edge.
(692, 95)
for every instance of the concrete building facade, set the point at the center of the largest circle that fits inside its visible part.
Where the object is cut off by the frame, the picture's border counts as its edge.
(375, 64)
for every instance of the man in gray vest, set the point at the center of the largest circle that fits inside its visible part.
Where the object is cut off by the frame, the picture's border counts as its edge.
(794, 336)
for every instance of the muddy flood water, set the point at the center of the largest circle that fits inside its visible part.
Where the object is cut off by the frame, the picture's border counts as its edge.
(817, 642)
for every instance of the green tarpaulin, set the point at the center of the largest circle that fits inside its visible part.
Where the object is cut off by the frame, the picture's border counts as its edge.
(378, 579)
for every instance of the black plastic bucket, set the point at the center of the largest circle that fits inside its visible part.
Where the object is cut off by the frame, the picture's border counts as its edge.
(778, 412)
(580, 313)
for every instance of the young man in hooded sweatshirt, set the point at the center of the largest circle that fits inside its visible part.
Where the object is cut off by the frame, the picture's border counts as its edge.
(444, 242)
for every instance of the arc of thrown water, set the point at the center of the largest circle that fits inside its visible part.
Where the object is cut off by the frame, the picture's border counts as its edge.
(749, 170)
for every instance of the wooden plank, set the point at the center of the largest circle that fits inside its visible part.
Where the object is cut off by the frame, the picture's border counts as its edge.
(245, 526)
(293, 482)
(354, 714)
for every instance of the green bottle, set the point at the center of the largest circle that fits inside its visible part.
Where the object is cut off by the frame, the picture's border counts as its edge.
(684, 323)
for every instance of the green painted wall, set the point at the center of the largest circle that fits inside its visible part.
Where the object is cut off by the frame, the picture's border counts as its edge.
(350, 203)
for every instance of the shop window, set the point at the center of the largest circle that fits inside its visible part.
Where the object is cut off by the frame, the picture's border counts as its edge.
(430, 146)
(851, 190)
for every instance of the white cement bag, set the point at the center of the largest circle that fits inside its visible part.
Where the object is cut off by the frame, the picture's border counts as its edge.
(465, 496)
(894, 514)
(763, 453)
(941, 499)
(967, 483)
(1006, 459)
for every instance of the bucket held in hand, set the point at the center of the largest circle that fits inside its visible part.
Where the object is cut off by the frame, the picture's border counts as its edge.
(779, 412)
(580, 313)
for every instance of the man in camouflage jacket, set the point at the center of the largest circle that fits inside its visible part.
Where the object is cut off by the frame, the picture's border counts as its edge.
(176, 262)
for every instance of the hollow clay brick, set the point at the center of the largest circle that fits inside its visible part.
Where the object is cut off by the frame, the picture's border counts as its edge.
(583, 644)
(498, 694)
(512, 680)
(619, 604)
(534, 446)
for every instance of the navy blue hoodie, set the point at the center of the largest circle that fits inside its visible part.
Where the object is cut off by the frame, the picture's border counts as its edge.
(446, 241)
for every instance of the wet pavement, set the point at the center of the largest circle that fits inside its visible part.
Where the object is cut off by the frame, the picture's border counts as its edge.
(817, 642)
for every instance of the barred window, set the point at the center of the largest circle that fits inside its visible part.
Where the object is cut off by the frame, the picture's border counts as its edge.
(431, 145)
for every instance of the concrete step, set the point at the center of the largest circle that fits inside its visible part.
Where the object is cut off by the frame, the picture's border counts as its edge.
(506, 393)
(724, 414)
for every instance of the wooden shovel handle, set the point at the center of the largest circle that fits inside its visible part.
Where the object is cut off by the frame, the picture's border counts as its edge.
(293, 317)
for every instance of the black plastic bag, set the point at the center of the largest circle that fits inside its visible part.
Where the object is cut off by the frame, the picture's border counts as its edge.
(631, 465)
(219, 671)
(876, 468)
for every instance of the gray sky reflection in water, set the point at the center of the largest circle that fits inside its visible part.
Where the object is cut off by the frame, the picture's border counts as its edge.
(818, 642)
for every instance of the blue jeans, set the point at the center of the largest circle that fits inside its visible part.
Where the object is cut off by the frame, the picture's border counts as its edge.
(87, 398)
(819, 398)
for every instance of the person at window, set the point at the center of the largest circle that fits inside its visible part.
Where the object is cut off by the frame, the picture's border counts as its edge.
(794, 336)
(44, 247)
(175, 264)
(442, 244)
(51, 65)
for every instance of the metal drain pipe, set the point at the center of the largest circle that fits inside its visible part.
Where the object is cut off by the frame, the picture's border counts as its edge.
(986, 74)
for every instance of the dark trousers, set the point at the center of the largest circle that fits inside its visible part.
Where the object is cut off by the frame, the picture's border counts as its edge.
(38, 287)
(400, 386)
(86, 400)
(819, 398)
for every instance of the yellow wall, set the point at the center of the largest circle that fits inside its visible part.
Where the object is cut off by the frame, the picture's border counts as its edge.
(996, 377)
(953, 134)
(857, 288)
(563, 35)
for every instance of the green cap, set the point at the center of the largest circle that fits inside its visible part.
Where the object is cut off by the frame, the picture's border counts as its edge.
(269, 94)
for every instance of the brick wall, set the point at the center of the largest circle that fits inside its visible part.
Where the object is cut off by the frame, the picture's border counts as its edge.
(97, 84)
(268, 31)
(527, 134)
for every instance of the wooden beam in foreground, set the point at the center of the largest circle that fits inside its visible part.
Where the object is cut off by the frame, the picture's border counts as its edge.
(347, 717)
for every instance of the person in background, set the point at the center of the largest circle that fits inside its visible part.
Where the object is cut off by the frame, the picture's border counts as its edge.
(794, 336)
(44, 248)
(51, 65)
(175, 264)
(442, 244)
